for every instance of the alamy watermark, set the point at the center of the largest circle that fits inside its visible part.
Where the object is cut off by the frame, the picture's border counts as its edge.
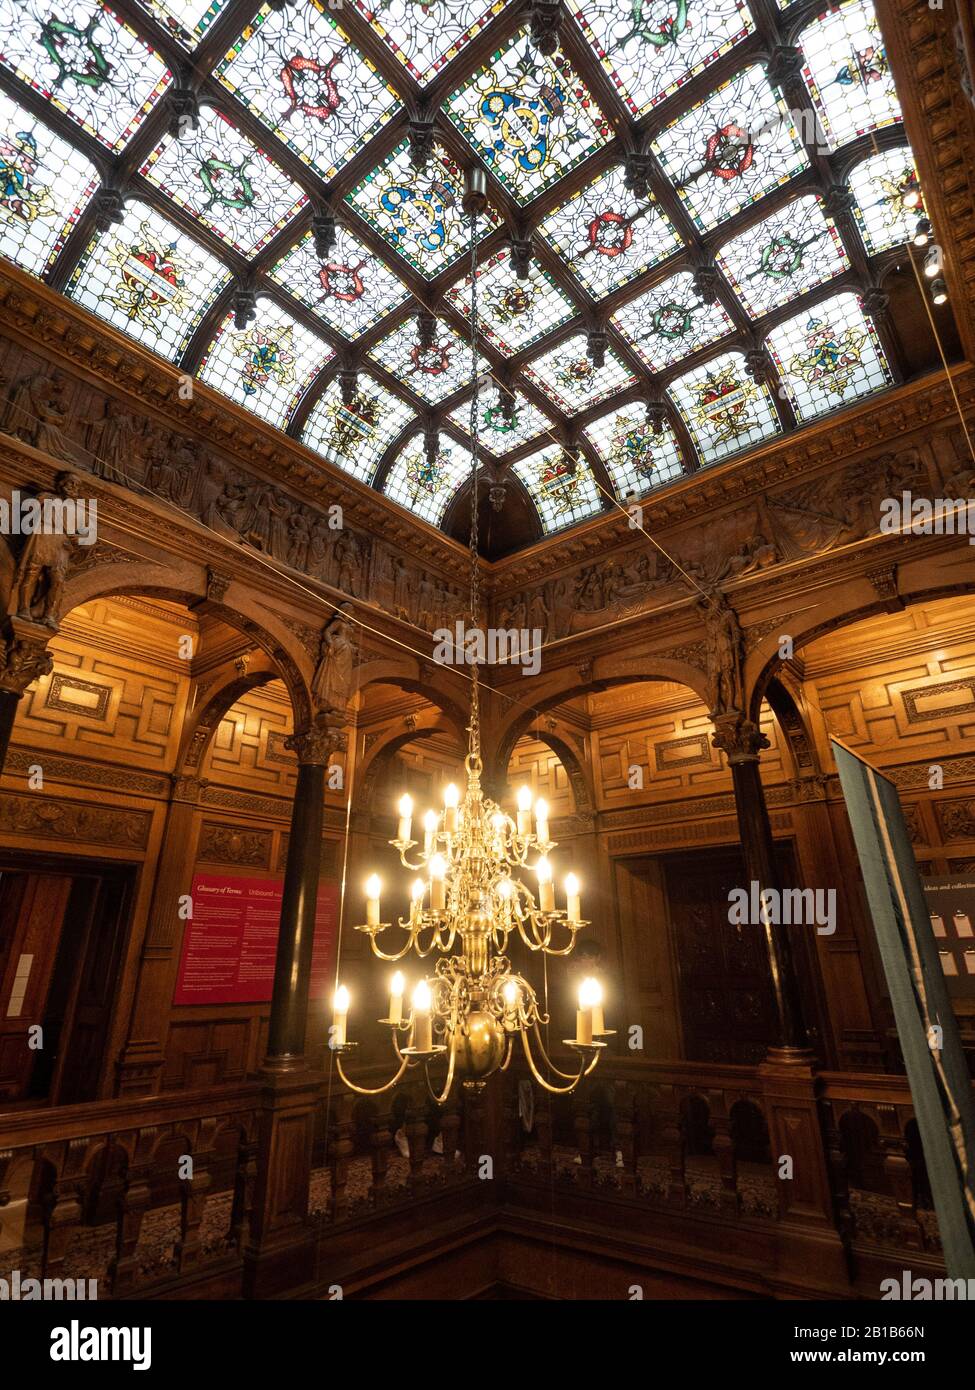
(923, 1290)
(788, 907)
(928, 516)
(17, 1289)
(493, 646)
(49, 516)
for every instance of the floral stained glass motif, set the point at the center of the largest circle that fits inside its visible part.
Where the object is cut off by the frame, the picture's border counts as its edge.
(266, 366)
(607, 237)
(562, 488)
(731, 149)
(149, 279)
(723, 408)
(792, 251)
(503, 429)
(425, 34)
(829, 355)
(420, 214)
(650, 48)
(425, 486)
(86, 61)
(568, 378)
(887, 199)
(671, 321)
(45, 185)
(300, 75)
(530, 118)
(513, 313)
(350, 289)
(636, 458)
(186, 20)
(433, 372)
(225, 181)
(354, 437)
(847, 73)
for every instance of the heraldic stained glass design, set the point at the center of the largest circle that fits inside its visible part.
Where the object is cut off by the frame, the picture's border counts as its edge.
(45, 185)
(299, 74)
(426, 34)
(419, 213)
(636, 459)
(149, 279)
(503, 429)
(562, 489)
(723, 408)
(86, 61)
(791, 252)
(434, 372)
(350, 289)
(847, 73)
(225, 181)
(266, 366)
(530, 118)
(650, 48)
(186, 20)
(828, 355)
(671, 321)
(607, 237)
(355, 437)
(730, 150)
(425, 486)
(568, 378)
(513, 313)
(888, 199)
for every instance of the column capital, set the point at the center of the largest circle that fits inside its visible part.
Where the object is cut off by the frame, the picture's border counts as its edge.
(316, 743)
(740, 739)
(23, 654)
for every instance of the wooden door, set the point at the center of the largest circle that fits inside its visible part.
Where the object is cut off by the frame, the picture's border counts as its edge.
(32, 908)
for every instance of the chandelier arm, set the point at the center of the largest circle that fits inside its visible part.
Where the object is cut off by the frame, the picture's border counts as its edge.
(367, 1090)
(546, 1085)
(396, 955)
(551, 1065)
(439, 1100)
(509, 1049)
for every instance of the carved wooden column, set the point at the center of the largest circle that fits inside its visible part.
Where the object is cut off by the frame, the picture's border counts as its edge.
(23, 659)
(741, 741)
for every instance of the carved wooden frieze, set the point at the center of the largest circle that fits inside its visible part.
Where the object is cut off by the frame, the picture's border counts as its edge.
(231, 844)
(70, 820)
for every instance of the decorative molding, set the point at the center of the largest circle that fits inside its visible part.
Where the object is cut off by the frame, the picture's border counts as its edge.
(60, 769)
(65, 821)
(221, 843)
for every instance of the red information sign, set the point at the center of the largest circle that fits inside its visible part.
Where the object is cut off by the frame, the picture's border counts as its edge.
(229, 944)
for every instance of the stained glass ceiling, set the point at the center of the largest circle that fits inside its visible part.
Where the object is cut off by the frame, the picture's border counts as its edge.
(270, 195)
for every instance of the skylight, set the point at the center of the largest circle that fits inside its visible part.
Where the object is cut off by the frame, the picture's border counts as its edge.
(425, 486)
(562, 488)
(636, 458)
(267, 366)
(355, 436)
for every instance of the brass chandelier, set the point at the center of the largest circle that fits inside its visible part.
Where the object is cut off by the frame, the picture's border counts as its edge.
(471, 1010)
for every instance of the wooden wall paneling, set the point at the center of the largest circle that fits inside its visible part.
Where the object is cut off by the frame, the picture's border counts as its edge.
(649, 968)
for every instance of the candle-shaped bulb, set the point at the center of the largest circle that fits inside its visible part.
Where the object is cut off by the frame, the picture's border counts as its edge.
(546, 888)
(373, 887)
(510, 992)
(451, 796)
(405, 809)
(340, 1015)
(505, 889)
(421, 997)
(397, 984)
(589, 993)
(418, 890)
(429, 830)
(405, 806)
(596, 1007)
(422, 1023)
(524, 810)
(396, 987)
(541, 820)
(341, 1000)
(438, 870)
(588, 997)
(573, 904)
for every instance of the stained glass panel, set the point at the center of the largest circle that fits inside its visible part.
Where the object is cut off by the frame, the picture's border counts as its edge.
(635, 458)
(501, 432)
(350, 289)
(355, 437)
(435, 372)
(671, 321)
(792, 251)
(562, 489)
(529, 117)
(45, 185)
(425, 36)
(186, 20)
(299, 74)
(267, 366)
(149, 279)
(86, 61)
(425, 487)
(723, 408)
(225, 181)
(607, 237)
(650, 48)
(513, 313)
(829, 355)
(888, 199)
(419, 213)
(847, 73)
(568, 378)
(731, 149)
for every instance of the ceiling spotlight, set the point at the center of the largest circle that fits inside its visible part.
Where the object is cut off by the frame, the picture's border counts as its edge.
(939, 291)
(932, 262)
(922, 232)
